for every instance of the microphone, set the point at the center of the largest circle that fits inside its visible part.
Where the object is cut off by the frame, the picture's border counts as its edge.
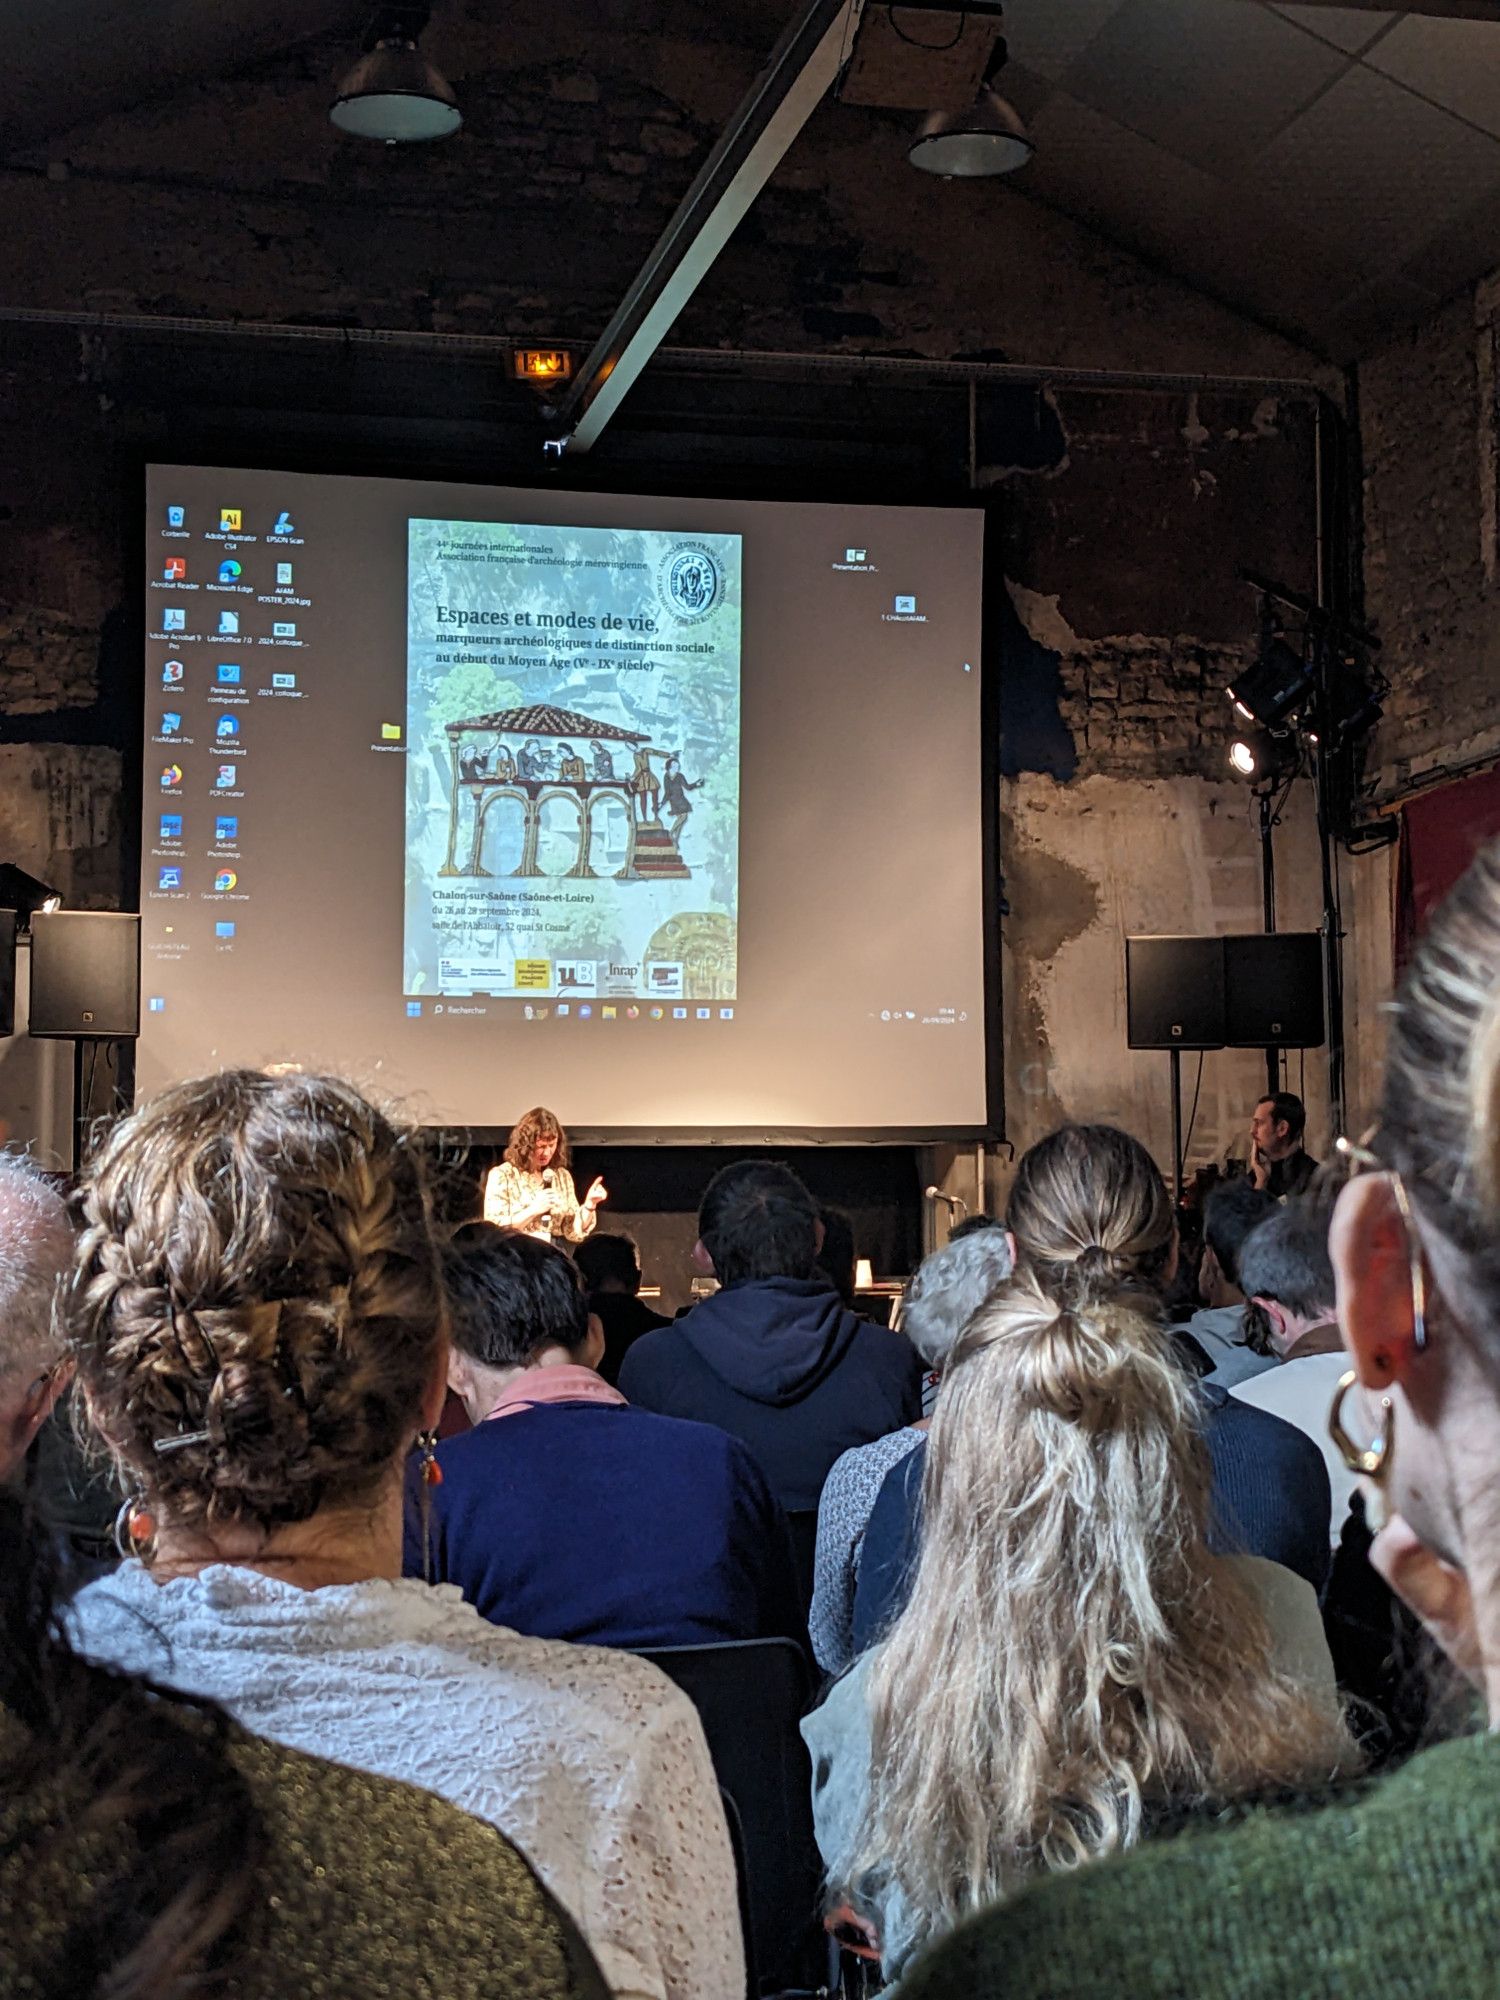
(549, 1177)
(954, 1201)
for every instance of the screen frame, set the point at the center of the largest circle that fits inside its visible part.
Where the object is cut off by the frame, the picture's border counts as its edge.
(367, 458)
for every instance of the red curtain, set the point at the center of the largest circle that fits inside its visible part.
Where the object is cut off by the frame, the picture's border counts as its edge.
(1440, 834)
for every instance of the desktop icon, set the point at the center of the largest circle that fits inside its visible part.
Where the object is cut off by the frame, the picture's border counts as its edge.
(224, 930)
(226, 827)
(414, 1010)
(228, 673)
(563, 1010)
(905, 606)
(177, 517)
(171, 777)
(231, 520)
(679, 1013)
(283, 576)
(632, 1013)
(284, 629)
(390, 732)
(607, 1013)
(284, 525)
(174, 619)
(229, 570)
(174, 570)
(585, 1012)
(228, 777)
(171, 826)
(169, 878)
(657, 1013)
(157, 1004)
(283, 680)
(224, 881)
(229, 622)
(726, 1013)
(171, 723)
(227, 725)
(705, 1013)
(171, 673)
(854, 555)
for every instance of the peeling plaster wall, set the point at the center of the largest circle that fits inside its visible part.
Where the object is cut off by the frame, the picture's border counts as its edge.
(1091, 863)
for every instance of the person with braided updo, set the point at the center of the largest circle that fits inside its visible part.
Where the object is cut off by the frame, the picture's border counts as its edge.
(1074, 1668)
(259, 1326)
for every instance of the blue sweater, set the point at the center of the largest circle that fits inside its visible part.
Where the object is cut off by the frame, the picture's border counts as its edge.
(1269, 1497)
(786, 1367)
(609, 1526)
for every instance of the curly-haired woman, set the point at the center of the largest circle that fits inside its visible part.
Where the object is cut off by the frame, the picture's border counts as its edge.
(532, 1188)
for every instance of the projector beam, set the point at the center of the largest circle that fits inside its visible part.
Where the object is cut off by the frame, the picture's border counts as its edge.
(798, 73)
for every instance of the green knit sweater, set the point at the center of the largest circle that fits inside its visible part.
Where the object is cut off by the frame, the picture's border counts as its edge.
(1393, 1893)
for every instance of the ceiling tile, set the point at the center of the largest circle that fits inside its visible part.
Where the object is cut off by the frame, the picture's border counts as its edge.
(1455, 63)
(1114, 180)
(1048, 35)
(1211, 83)
(1348, 28)
(1464, 249)
(1376, 170)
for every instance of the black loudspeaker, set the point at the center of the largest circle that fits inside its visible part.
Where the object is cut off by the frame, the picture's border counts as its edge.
(7, 972)
(1174, 992)
(86, 975)
(1273, 991)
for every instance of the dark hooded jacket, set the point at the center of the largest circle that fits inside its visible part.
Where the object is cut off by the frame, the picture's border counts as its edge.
(783, 1365)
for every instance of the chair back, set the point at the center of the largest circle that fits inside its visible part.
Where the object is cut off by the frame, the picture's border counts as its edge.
(750, 1695)
(803, 1522)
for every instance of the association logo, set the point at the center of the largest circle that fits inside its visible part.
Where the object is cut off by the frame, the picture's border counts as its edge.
(690, 582)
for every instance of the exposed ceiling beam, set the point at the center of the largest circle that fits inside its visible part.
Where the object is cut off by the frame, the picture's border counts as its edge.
(798, 74)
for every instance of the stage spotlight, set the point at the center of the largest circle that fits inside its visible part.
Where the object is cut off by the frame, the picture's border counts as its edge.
(393, 93)
(25, 894)
(1263, 757)
(1274, 687)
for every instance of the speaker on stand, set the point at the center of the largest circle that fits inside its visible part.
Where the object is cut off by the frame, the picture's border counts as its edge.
(85, 988)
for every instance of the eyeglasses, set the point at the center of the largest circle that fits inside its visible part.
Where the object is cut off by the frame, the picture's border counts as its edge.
(1370, 1461)
(1360, 1159)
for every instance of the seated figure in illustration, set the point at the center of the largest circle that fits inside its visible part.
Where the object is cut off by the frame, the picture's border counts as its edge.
(531, 764)
(570, 768)
(604, 763)
(505, 766)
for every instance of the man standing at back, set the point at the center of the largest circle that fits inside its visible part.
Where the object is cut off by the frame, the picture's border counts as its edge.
(775, 1357)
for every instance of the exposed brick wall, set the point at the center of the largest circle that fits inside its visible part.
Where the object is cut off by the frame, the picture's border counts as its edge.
(1427, 424)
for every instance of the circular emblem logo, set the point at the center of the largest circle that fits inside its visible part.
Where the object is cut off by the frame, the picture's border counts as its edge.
(690, 582)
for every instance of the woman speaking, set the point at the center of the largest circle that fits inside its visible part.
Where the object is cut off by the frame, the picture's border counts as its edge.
(532, 1189)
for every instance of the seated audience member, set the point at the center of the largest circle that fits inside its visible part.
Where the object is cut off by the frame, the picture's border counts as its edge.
(775, 1356)
(1220, 1327)
(611, 1268)
(836, 1258)
(258, 1319)
(150, 1847)
(36, 1252)
(564, 1512)
(949, 1288)
(1089, 1199)
(1073, 1669)
(1288, 1273)
(1279, 1162)
(1394, 1893)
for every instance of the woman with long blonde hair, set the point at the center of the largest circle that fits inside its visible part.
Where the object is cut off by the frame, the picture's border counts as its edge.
(1073, 1666)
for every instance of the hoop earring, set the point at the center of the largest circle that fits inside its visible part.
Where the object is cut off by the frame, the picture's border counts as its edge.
(1370, 1461)
(431, 1474)
(135, 1530)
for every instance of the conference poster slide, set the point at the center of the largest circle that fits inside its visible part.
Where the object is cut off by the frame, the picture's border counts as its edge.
(573, 765)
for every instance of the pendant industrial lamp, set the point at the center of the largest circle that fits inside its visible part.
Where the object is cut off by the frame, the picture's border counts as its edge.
(987, 139)
(393, 94)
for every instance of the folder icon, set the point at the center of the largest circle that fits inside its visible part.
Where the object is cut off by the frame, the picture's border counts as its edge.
(390, 732)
